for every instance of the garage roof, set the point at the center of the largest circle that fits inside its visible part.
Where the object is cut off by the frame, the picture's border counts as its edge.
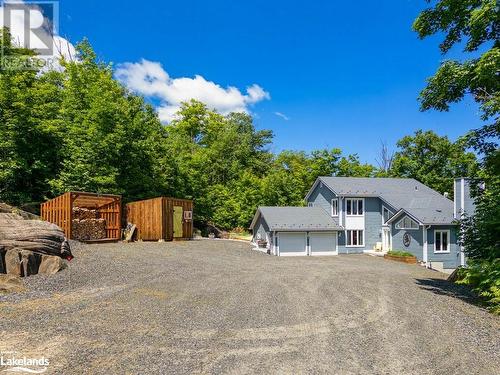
(296, 219)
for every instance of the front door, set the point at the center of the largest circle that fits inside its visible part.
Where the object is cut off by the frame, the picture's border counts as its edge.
(386, 239)
(178, 217)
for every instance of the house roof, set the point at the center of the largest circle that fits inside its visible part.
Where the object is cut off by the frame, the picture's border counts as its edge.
(420, 201)
(296, 219)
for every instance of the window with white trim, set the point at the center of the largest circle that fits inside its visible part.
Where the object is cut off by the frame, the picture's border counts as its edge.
(335, 207)
(354, 207)
(355, 238)
(406, 223)
(386, 214)
(441, 241)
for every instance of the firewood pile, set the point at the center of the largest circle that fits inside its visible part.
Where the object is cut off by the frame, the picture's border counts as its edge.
(87, 225)
(81, 213)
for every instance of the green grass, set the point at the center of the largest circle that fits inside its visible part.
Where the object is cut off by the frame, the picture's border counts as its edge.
(400, 253)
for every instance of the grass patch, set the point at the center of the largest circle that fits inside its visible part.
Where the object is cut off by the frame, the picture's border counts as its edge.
(400, 253)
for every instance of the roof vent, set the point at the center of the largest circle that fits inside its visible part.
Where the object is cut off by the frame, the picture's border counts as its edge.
(416, 187)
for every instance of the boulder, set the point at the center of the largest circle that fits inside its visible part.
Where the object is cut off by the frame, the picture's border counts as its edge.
(26, 242)
(11, 284)
(51, 265)
(13, 264)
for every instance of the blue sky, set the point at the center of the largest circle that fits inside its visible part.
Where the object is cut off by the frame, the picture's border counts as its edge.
(344, 74)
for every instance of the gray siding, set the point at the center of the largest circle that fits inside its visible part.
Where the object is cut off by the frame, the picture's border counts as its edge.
(451, 260)
(322, 197)
(261, 228)
(373, 226)
(416, 243)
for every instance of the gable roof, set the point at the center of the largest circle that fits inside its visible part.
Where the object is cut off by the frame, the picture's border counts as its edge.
(420, 201)
(296, 219)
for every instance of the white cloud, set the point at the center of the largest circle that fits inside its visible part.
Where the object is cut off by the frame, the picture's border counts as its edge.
(150, 79)
(282, 115)
(61, 46)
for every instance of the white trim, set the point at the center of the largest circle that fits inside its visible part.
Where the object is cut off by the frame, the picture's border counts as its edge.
(387, 230)
(331, 207)
(447, 231)
(425, 250)
(399, 212)
(407, 228)
(462, 198)
(314, 186)
(390, 214)
(352, 230)
(341, 211)
(354, 199)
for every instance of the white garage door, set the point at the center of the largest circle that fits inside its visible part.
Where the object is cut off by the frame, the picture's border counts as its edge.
(292, 244)
(323, 243)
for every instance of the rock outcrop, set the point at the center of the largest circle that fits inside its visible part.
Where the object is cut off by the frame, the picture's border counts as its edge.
(29, 245)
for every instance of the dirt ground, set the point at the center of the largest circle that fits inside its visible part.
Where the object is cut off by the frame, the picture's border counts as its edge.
(213, 306)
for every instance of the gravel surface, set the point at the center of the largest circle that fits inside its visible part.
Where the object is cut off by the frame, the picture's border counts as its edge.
(212, 306)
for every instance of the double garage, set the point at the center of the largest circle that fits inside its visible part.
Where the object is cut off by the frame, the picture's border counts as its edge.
(295, 231)
(306, 243)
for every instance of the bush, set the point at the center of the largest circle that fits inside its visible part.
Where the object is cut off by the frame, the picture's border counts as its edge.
(484, 278)
(400, 253)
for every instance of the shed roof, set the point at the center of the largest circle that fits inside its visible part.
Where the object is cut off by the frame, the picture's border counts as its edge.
(296, 219)
(424, 203)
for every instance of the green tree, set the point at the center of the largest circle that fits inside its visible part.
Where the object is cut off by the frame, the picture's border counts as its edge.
(475, 24)
(29, 144)
(433, 160)
(111, 138)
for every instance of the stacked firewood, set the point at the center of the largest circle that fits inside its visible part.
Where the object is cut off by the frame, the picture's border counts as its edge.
(87, 225)
(81, 213)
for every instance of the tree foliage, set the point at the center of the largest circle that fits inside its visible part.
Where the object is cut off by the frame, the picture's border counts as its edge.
(79, 129)
(475, 24)
(433, 160)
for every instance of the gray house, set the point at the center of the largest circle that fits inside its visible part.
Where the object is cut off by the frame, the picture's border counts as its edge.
(354, 215)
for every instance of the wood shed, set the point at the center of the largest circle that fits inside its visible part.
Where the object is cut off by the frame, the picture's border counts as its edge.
(162, 218)
(87, 217)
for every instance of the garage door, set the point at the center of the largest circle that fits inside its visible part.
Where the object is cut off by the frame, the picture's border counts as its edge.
(323, 243)
(292, 244)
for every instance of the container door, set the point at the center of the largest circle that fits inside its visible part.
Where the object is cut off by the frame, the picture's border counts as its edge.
(178, 217)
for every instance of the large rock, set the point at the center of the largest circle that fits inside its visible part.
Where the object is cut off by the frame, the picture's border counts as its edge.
(11, 284)
(26, 243)
(51, 265)
(13, 264)
(23, 263)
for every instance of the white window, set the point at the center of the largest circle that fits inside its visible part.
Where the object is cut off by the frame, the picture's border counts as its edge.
(354, 207)
(355, 238)
(386, 214)
(442, 241)
(406, 223)
(335, 207)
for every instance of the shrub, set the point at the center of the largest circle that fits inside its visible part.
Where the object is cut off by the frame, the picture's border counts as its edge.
(400, 253)
(484, 278)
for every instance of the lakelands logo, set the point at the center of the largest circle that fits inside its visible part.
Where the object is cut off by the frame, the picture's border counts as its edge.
(11, 363)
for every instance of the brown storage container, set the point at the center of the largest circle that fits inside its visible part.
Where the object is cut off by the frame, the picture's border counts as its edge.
(161, 218)
(67, 210)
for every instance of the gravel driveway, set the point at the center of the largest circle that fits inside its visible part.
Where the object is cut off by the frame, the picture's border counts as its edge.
(212, 306)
